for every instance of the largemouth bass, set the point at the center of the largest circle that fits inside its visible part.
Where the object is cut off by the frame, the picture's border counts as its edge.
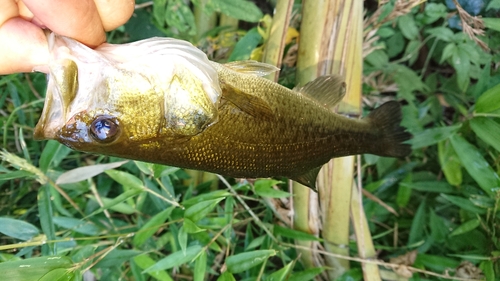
(161, 100)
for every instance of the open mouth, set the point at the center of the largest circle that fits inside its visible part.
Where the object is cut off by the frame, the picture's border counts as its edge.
(61, 90)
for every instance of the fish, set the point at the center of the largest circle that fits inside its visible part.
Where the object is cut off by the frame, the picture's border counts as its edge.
(161, 100)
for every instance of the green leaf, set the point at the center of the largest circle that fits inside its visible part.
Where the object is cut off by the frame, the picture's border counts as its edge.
(59, 274)
(395, 45)
(201, 210)
(417, 229)
(482, 201)
(87, 172)
(150, 228)
(180, 16)
(378, 59)
(45, 212)
(466, 227)
(411, 51)
(52, 154)
(190, 227)
(432, 136)
(229, 216)
(464, 204)
(205, 197)
(492, 23)
(408, 27)
(384, 32)
(34, 268)
(144, 261)
(292, 233)
(243, 49)
(487, 268)
(450, 164)
(116, 203)
(430, 186)
(116, 257)
(442, 33)
(461, 63)
(125, 179)
(281, 274)
(308, 274)
(182, 239)
(200, 267)
(244, 261)
(226, 276)
(488, 130)
(15, 175)
(176, 259)
(159, 10)
(404, 192)
(438, 263)
(438, 226)
(239, 9)
(434, 12)
(77, 225)
(448, 52)
(402, 74)
(494, 4)
(489, 101)
(264, 188)
(475, 164)
(18, 229)
(256, 242)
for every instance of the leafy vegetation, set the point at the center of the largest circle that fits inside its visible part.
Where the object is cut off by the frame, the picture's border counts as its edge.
(432, 215)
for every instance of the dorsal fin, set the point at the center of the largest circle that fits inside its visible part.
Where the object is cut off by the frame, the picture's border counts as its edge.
(326, 90)
(247, 103)
(309, 178)
(251, 67)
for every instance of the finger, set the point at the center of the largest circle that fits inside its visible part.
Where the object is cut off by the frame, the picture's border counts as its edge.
(114, 13)
(78, 19)
(24, 46)
(9, 10)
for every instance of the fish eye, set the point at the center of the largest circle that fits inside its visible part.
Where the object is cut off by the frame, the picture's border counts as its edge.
(104, 129)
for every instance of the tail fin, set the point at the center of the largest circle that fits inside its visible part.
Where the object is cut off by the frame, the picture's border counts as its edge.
(386, 120)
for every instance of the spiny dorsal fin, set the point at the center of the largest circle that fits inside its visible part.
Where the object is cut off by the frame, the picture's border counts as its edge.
(309, 178)
(247, 103)
(327, 90)
(252, 67)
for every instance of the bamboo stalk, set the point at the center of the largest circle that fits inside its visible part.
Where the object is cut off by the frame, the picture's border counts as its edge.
(309, 61)
(275, 46)
(335, 48)
(363, 237)
(345, 59)
(305, 218)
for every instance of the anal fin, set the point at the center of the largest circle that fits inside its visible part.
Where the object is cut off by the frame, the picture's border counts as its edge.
(309, 178)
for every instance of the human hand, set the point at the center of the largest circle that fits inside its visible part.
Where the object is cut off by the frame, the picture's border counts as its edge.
(23, 44)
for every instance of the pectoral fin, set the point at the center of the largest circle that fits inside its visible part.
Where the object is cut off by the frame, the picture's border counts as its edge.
(326, 90)
(251, 67)
(248, 103)
(309, 178)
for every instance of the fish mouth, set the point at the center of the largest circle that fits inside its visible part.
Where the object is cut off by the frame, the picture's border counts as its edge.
(61, 90)
(51, 119)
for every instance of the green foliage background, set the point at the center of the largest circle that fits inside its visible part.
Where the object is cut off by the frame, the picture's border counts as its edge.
(127, 220)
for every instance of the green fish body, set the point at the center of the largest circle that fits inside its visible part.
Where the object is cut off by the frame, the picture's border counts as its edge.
(232, 122)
